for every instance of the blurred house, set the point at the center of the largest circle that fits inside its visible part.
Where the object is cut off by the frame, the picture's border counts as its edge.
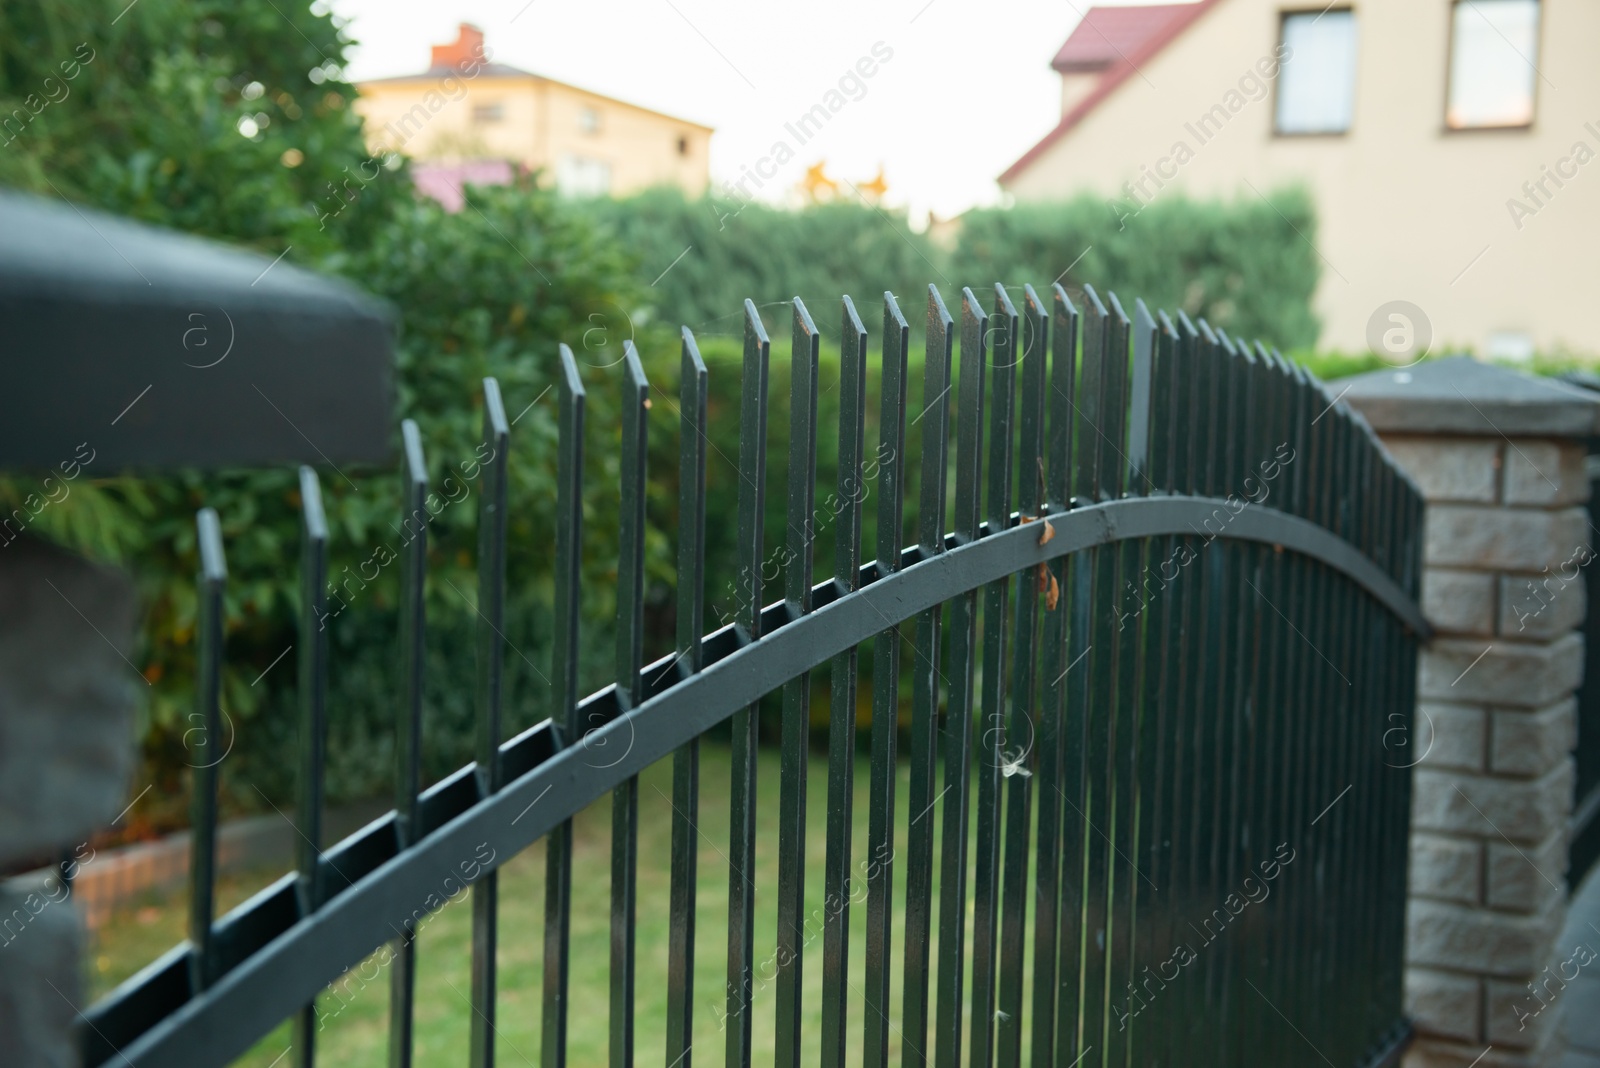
(1446, 168)
(467, 118)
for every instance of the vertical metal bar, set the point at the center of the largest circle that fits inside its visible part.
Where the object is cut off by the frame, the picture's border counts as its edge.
(1115, 822)
(490, 650)
(313, 687)
(635, 402)
(1160, 754)
(692, 402)
(1204, 821)
(993, 751)
(796, 724)
(1021, 740)
(1104, 366)
(1191, 403)
(842, 706)
(1055, 907)
(935, 423)
(208, 710)
(958, 712)
(1081, 1002)
(1133, 689)
(408, 731)
(742, 797)
(885, 689)
(569, 562)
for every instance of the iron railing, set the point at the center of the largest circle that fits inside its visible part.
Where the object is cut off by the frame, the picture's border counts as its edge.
(1583, 833)
(1158, 654)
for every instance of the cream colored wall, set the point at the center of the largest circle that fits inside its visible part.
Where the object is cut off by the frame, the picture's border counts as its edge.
(1075, 86)
(640, 146)
(540, 126)
(1404, 208)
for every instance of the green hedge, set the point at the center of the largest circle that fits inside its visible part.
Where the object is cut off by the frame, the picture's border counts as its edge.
(1247, 266)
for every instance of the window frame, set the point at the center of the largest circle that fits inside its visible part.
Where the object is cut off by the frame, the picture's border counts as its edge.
(1450, 72)
(1284, 15)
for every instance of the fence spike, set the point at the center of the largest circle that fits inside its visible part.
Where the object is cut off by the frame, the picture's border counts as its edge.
(208, 712)
(408, 732)
(1063, 405)
(1141, 398)
(933, 428)
(491, 641)
(796, 721)
(742, 796)
(570, 399)
(885, 689)
(635, 404)
(992, 749)
(960, 705)
(1114, 372)
(1091, 400)
(312, 662)
(692, 440)
(846, 507)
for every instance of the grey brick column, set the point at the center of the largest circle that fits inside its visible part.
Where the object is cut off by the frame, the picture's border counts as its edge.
(1498, 456)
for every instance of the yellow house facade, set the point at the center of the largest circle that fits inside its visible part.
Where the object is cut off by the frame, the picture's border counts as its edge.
(467, 108)
(1448, 169)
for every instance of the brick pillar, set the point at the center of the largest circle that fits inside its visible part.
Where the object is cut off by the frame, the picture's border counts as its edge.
(1499, 459)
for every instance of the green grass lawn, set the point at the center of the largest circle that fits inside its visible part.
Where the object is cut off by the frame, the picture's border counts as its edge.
(356, 1021)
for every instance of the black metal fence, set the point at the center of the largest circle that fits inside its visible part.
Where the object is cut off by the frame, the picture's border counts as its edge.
(1583, 835)
(1155, 652)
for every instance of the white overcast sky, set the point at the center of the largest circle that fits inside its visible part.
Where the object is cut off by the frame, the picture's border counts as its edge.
(968, 90)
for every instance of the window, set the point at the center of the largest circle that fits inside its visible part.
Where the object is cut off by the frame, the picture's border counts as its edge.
(683, 146)
(482, 113)
(1494, 45)
(579, 177)
(589, 120)
(1317, 87)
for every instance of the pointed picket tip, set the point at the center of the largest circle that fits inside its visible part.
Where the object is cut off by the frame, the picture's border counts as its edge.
(692, 362)
(1116, 309)
(891, 307)
(1092, 302)
(1031, 300)
(1142, 319)
(753, 324)
(416, 468)
(802, 318)
(1062, 301)
(494, 411)
(970, 305)
(208, 534)
(1185, 326)
(315, 521)
(634, 368)
(1002, 301)
(1165, 324)
(852, 320)
(571, 382)
(937, 310)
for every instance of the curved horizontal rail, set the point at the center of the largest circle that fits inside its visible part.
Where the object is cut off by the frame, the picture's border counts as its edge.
(313, 951)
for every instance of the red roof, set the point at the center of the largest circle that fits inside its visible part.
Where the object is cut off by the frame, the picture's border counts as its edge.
(1172, 20)
(1107, 34)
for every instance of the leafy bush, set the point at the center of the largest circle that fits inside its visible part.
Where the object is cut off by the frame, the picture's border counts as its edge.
(1243, 265)
(1247, 266)
(766, 254)
(150, 126)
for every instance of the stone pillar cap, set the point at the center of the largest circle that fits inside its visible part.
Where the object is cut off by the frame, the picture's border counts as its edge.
(1459, 395)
